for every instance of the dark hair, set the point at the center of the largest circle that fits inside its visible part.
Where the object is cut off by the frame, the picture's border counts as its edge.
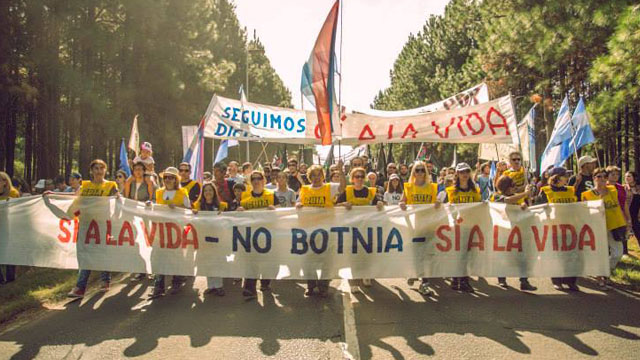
(600, 170)
(220, 165)
(59, 180)
(216, 198)
(504, 183)
(634, 175)
(395, 189)
(239, 187)
(184, 163)
(470, 183)
(139, 163)
(246, 165)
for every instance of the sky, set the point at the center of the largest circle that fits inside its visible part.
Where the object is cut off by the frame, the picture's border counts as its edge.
(374, 33)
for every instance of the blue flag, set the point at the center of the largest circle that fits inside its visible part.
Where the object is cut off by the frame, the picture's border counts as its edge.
(124, 160)
(223, 151)
(582, 133)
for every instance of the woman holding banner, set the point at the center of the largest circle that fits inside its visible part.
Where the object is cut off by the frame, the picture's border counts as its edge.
(98, 186)
(211, 202)
(319, 194)
(7, 191)
(358, 195)
(616, 223)
(464, 191)
(558, 192)
(420, 190)
(173, 196)
(257, 198)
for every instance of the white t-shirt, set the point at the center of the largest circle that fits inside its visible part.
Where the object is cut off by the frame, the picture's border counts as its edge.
(392, 198)
(335, 189)
(442, 195)
(169, 194)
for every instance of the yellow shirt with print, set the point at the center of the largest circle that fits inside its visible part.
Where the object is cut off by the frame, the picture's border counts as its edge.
(425, 194)
(264, 200)
(358, 201)
(612, 210)
(107, 188)
(462, 197)
(316, 197)
(560, 197)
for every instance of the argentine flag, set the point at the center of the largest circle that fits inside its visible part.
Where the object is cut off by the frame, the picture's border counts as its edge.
(562, 131)
(582, 133)
(195, 153)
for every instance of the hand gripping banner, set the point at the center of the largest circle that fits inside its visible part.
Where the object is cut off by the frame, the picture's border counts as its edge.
(480, 239)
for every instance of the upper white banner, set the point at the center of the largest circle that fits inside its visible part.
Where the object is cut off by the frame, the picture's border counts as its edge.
(492, 121)
(455, 240)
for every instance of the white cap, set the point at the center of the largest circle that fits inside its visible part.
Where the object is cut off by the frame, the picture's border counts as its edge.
(585, 160)
(463, 166)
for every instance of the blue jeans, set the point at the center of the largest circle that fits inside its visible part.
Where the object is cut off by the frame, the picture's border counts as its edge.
(83, 278)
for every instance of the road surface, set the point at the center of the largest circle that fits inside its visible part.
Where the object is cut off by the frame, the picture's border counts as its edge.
(387, 321)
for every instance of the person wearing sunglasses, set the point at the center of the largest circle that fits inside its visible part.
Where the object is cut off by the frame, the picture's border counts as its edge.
(98, 186)
(172, 195)
(506, 193)
(420, 190)
(258, 198)
(517, 173)
(558, 192)
(319, 194)
(358, 194)
(192, 187)
(464, 191)
(121, 178)
(615, 219)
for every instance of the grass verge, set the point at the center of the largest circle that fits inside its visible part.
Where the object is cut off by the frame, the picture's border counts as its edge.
(32, 288)
(627, 273)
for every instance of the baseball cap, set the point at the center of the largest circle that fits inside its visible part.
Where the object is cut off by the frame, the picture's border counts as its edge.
(585, 160)
(463, 166)
(394, 177)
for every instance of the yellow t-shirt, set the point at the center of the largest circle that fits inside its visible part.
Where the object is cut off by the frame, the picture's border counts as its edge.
(612, 210)
(251, 202)
(518, 177)
(316, 197)
(178, 198)
(13, 193)
(105, 189)
(560, 197)
(461, 197)
(358, 201)
(425, 194)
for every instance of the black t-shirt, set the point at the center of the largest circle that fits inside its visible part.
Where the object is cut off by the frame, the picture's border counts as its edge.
(585, 185)
(362, 193)
(294, 183)
(194, 193)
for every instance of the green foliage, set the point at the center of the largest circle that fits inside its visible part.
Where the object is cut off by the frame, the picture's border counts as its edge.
(549, 48)
(78, 72)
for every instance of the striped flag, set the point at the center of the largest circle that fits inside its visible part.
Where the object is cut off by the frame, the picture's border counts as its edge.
(195, 154)
(134, 138)
(318, 76)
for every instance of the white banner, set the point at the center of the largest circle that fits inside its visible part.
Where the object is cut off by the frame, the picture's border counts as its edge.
(476, 95)
(473, 239)
(497, 152)
(492, 121)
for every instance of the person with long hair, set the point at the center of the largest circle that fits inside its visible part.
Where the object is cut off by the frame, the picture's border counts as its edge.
(420, 190)
(172, 195)
(633, 202)
(394, 192)
(210, 201)
(7, 191)
(258, 198)
(464, 191)
(558, 192)
(501, 167)
(319, 194)
(615, 219)
(357, 194)
(98, 186)
(506, 193)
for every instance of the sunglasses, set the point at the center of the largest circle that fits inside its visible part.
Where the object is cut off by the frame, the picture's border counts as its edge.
(355, 176)
(183, 170)
(516, 159)
(599, 176)
(168, 178)
(420, 170)
(120, 177)
(257, 178)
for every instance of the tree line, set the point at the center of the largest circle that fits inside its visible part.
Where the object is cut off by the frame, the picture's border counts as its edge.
(73, 74)
(539, 51)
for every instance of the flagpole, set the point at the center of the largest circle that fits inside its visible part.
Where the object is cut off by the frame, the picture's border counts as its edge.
(340, 85)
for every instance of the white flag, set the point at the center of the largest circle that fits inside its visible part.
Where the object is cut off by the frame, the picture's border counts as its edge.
(134, 139)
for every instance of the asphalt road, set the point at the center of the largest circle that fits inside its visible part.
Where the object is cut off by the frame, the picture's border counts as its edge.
(387, 321)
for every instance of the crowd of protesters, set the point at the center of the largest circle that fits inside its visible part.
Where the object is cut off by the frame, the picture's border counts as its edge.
(240, 187)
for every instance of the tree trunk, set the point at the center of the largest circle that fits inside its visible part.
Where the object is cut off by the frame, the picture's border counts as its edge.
(627, 114)
(618, 155)
(636, 138)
